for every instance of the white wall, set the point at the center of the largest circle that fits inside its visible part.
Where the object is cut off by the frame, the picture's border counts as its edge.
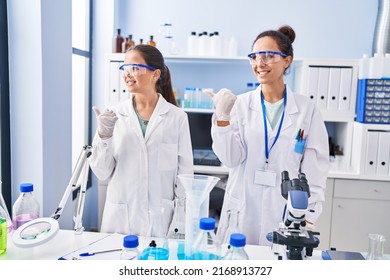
(40, 61)
(325, 29)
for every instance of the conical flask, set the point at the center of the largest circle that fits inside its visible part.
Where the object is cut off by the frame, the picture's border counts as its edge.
(233, 218)
(376, 246)
(10, 227)
(197, 188)
(156, 242)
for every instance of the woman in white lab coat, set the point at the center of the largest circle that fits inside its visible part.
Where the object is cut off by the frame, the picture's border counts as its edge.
(141, 145)
(263, 132)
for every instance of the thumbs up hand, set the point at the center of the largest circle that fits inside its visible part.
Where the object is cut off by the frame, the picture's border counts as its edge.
(106, 122)
(223, 101)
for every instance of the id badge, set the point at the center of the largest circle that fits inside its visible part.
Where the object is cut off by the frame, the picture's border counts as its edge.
(265, 177)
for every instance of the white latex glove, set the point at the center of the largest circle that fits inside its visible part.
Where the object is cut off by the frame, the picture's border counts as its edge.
(106, 122)
(223, 101)
(310, 226)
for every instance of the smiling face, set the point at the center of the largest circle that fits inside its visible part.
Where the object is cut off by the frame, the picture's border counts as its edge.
(140, 81)
(272, 73)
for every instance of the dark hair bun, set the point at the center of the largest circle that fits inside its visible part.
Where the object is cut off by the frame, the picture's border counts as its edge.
(288, 31)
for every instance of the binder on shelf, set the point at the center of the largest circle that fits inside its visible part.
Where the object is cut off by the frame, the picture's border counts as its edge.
(334, 89)
(371, 152)
(323, 83)
(123, 92)
(345, 88)
(114, 83)
(382, 168)
(313, 83)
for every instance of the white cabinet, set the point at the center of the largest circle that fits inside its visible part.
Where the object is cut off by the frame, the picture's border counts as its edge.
(360, 207)
(323, 224)
(331, 84)
(371, 150)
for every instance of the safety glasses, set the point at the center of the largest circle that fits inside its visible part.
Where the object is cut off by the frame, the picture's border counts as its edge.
(267, 57)
(134, 69)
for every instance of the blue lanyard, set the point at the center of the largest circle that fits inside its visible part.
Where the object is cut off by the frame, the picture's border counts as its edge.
(267, 151)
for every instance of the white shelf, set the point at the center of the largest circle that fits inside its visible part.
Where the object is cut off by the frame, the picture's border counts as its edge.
(198, 110)
(121, 57)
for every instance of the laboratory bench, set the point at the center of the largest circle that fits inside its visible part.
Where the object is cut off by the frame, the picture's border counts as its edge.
(67, 241)
(356, 204)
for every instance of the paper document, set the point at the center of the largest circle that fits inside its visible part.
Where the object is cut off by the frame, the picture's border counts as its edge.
(108, 243)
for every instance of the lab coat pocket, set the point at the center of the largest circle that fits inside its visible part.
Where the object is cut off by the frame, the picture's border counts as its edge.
(115, 218)
(298, 148)
(167, 157)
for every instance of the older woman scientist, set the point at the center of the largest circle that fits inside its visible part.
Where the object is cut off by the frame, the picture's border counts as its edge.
(256, 135)
(141, 145)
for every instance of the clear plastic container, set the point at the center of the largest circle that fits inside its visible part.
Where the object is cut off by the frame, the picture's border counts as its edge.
(206, 245)
(130, 248)
(237, 248)
(193, 44)
(26, 207)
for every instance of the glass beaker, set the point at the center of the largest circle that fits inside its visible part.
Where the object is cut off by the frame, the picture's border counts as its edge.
(197, 188)
(156, 242)
(177, 228)
(10, 227)
(376, 246)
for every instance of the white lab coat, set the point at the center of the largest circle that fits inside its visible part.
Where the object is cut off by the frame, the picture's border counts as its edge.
(240, 146)
(142, 172)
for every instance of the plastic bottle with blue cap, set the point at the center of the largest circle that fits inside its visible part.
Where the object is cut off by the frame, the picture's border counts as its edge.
(237, 248)
(130, 248)
(206, 245)
(26, 208)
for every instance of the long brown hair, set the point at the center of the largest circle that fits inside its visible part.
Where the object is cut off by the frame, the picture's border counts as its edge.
(154, 58)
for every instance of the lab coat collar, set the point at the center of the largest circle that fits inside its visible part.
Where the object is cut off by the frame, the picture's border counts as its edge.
(162, 107)
(291, 106)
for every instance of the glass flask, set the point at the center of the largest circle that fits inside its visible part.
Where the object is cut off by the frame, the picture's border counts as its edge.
(10, 226)
(156, 242)
(233, 215)
(177, 232)
(206, 245)
(376, 246)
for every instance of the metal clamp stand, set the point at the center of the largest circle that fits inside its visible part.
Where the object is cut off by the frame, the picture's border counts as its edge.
(41, 230)
(81, 170)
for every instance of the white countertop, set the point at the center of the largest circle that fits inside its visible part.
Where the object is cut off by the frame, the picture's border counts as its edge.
(67, 241)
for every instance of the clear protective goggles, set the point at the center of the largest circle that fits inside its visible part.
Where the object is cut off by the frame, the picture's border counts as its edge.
(134, 69)
(267, 57)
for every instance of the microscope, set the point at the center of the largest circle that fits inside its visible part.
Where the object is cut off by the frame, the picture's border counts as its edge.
(292, 233)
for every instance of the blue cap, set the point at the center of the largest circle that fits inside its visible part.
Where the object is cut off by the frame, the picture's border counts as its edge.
(26, 187)
(237, 240)
(130, 241)
(207, 223)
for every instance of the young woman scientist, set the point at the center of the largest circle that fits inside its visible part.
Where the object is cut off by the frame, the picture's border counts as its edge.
(141, 145)
(263, 132)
